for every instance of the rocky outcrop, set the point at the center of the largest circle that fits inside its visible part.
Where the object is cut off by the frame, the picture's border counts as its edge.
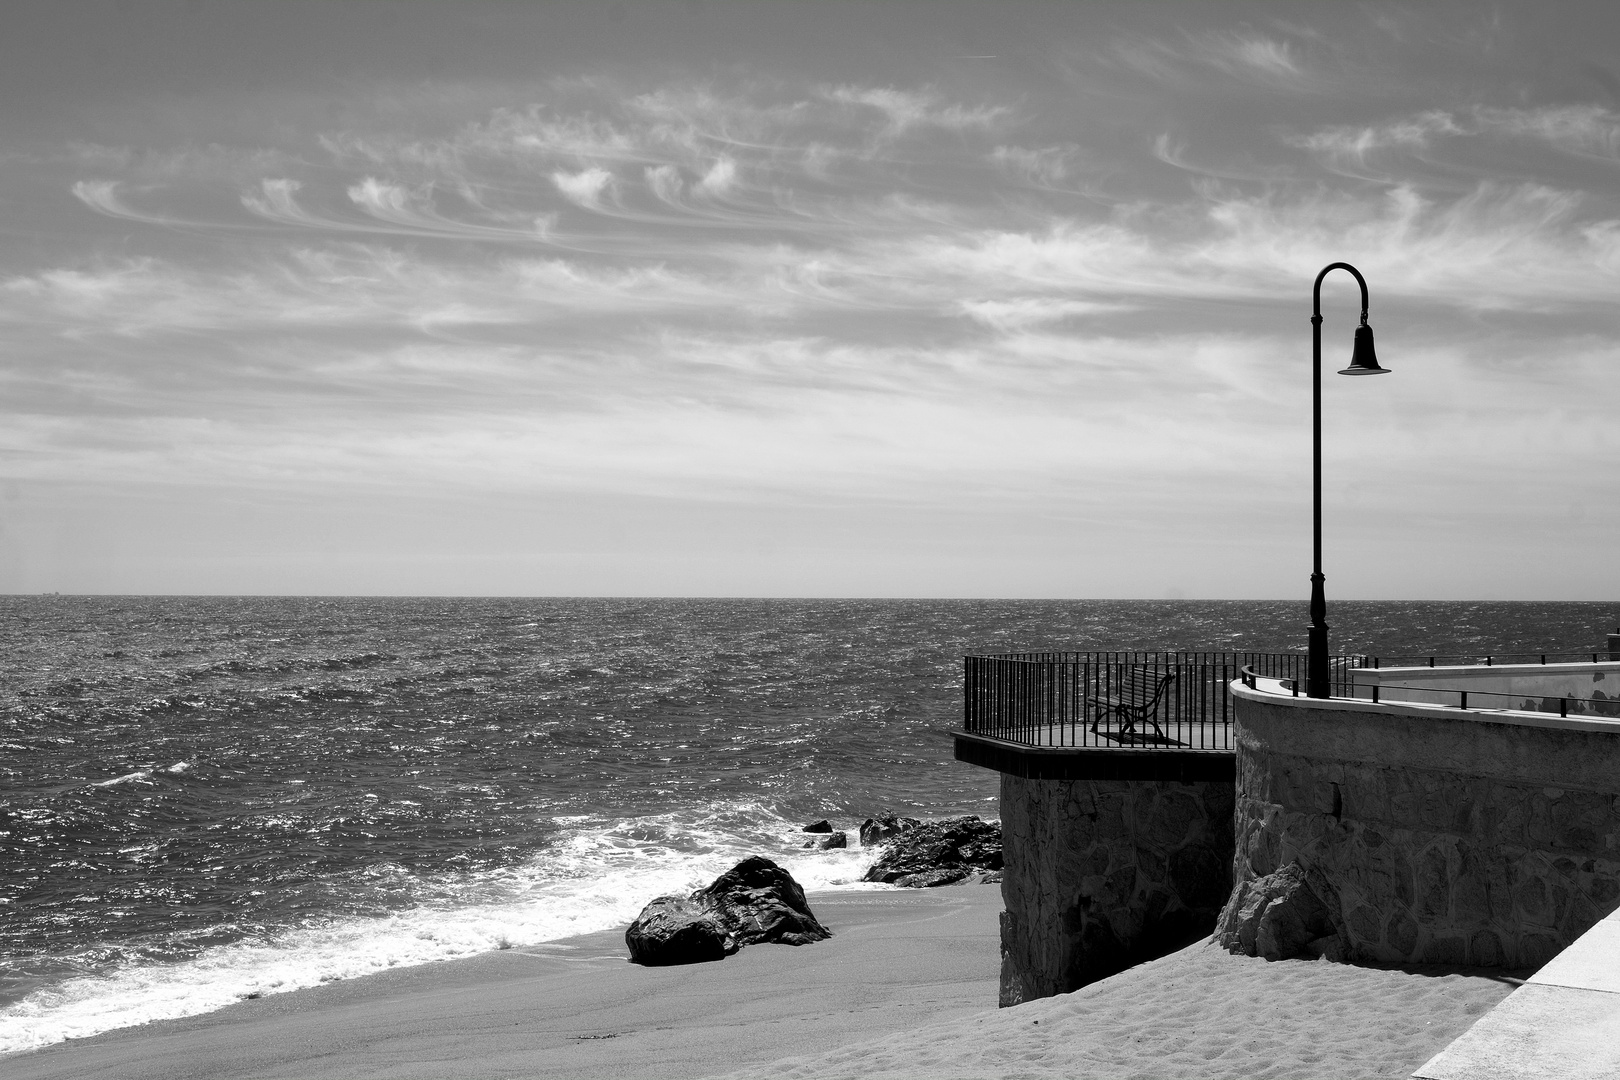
(818, 826)
(938, 853)
(755, 901)
(884, 828)
(1285, 915)
(828, 840)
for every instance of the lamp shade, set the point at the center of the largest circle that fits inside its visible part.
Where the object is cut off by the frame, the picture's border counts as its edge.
(1363, 361)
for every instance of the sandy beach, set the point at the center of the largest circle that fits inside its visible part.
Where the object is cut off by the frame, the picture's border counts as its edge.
(906, 987)
(579, 1009)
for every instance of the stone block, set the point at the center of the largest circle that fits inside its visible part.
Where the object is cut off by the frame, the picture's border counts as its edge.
(1485, 949)
(1363, 924)
(1539, 829)
(1449, 949)
(1173, 818)
(1434, 809)
(1470, 893)
(1534, 905)
(1535, 950)
(1401, 934)
(1109, 816)
(1365, 793)
(1432, 885)
(1199, 876)
(1326, 798)
(1151, 865)
(1294, 781)
(1580, 916)
(1151, 907)
(1096, 859)
(1580, 838)
(1118, 887)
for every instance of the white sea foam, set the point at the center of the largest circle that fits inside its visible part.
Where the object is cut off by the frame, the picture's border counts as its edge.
(128, 778)
(597, 876)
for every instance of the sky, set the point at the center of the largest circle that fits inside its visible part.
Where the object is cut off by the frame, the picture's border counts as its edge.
(807, 299)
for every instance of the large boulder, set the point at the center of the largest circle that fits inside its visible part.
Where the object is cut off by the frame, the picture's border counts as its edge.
(885, 827)
(678, 930)
(1287, 914)
(938, 853)
(755, 901)
(825, 841)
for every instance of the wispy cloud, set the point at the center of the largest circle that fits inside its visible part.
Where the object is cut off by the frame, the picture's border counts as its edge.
(788, 287)
(1252, 56)
(1242, 55)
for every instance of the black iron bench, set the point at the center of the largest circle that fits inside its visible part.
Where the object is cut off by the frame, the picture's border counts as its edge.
(1134, 697)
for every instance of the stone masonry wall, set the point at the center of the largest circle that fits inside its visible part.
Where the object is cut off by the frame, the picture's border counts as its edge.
(1447, 840)
(1103, 874)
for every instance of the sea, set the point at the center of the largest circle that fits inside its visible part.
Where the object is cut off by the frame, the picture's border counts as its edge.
(204, 799)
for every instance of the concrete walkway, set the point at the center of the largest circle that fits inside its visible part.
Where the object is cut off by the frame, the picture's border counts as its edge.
(1562, 1024)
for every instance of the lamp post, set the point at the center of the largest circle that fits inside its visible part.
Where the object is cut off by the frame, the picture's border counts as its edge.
(1318, 680)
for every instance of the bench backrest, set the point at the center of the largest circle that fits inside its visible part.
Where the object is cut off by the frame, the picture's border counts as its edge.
(1141, 687)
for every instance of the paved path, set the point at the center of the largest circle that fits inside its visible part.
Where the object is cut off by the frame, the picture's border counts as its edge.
(1562, 1024)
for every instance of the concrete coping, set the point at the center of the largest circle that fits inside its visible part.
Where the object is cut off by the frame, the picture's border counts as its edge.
(1272, 692)
(1559, 1025)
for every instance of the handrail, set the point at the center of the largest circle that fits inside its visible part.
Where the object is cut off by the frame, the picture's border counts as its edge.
(1490, 659)
(1535, 703)
(1074, 698)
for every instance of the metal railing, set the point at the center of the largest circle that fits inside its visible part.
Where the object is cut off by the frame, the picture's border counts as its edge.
(1496, 701)
(1473, 700)
(1073, 698)
(1488, 660)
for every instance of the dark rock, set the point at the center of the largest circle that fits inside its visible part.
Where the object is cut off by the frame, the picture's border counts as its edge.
(927, 879)
(1286, 914)
(818, 826)
(831, 840)
(678, 930)
(755, 901)
(882, 829)
(759, 901)
(939, 853)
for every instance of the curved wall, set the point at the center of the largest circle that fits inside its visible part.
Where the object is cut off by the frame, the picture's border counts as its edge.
(1449, 837)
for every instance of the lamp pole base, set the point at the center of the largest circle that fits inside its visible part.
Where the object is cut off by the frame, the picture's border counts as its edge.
(1318, 673)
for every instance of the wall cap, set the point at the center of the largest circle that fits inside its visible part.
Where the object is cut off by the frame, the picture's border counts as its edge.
(1271, 692)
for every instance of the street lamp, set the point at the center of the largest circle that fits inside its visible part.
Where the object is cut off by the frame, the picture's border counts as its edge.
(1318, 681)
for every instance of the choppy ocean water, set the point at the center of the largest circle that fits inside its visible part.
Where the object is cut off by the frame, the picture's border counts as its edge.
(207, 798)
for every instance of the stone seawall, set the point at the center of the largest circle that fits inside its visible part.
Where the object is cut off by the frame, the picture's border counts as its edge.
(1103, 874)
(1455, 839)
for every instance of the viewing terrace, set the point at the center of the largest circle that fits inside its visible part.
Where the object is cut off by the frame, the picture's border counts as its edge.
(1124, 715)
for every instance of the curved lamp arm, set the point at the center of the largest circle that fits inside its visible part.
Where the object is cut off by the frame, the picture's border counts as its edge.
(1316, 291)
